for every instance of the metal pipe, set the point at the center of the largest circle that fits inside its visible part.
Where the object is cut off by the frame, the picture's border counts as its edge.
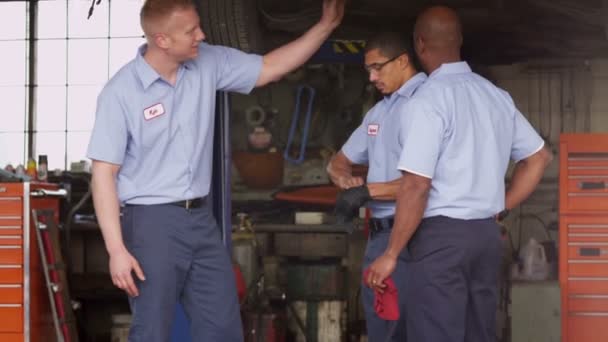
(31, 96)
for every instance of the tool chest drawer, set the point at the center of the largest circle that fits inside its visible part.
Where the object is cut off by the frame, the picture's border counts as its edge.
(11, 226)
(588, 303)
(11, 240)
(583, 172)
(11, 274)
(584, 246)
(11, 207)
(11, 255)
(580, 268)
(12, 318)
(11, 337)
(585, 234)
(587, 285)
(587, 327)
(11, 294)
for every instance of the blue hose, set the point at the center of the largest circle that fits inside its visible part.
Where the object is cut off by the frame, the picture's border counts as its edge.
(294, 123)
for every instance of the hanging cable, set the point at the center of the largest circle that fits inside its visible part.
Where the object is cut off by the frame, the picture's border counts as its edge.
(92, 8)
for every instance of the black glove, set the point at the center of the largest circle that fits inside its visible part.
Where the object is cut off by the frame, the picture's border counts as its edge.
(349, 201)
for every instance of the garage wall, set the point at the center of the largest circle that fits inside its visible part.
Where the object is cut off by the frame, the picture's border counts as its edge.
(556, 96)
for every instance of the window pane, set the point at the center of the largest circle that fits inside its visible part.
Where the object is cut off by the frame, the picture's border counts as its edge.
(53, 145)
(52, 19)
(122, 50)
(88, 61)
(51, 62)
(12, 115)
(12, 20)
(80, 26)
(82, 101)
(124, 18)
(78, 142)
(12, 68)
(50, 108)
(13, 149)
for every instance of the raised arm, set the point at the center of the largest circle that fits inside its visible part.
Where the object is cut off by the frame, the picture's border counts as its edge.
(290, 56)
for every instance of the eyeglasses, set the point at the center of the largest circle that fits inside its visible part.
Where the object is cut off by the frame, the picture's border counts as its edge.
(378, 66)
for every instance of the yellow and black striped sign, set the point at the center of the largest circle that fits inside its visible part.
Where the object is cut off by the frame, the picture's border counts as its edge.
(348, 46)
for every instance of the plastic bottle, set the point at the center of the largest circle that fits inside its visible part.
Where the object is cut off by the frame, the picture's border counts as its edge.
(31, 169)
(43, 168)
(535, 265)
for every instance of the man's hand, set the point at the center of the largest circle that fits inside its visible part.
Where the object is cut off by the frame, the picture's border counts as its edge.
(333, 12)
(345, 183)
(379, 270)
(122, 263)
(349, 201)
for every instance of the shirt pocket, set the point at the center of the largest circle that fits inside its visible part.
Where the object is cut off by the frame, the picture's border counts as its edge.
(155, 132)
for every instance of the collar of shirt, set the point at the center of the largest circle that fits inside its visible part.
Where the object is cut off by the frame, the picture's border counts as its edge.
(407, 89)
(452, 68)
(147, 75)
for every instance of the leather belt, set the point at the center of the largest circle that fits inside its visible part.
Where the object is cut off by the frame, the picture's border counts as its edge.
(186, 204)
(194, 203)
(379, 224)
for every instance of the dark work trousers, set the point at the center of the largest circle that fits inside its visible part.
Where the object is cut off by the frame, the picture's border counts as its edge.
(377, 328)
(183, 258)
(452, 271)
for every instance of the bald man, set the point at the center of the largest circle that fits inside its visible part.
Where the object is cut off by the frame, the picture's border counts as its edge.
(459, 135)
(152, 148)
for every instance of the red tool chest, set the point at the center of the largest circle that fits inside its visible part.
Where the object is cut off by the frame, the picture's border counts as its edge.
(583, 261)
(24, 304)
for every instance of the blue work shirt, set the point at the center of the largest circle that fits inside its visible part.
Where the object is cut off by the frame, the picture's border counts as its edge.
(461, 131)
(160, 134)
(377, 141)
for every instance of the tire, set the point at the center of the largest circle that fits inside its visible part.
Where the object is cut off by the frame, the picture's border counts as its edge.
(232, 23)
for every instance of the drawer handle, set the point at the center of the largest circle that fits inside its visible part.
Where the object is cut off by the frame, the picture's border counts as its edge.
(591, 226)
(588, 235)
(588, 279)
(62, 193)
(588, 296)
(589, 252)
(10, 305)
(6, 237)
(10, 198)
(10, 227)
(570, 261)
(10, 286)
(10, 217)
(10, 247)
(592, 185)
(572, 244)
(589, 314)
(587, 194)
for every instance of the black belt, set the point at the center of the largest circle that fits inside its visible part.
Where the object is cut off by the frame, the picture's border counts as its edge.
(379, 224)
(187, 204)
(194, 203)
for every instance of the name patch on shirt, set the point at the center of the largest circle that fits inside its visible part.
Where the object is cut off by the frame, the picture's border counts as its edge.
(154, 111)
(372, 129)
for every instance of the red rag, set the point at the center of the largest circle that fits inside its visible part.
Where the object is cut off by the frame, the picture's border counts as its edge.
(386, 303)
